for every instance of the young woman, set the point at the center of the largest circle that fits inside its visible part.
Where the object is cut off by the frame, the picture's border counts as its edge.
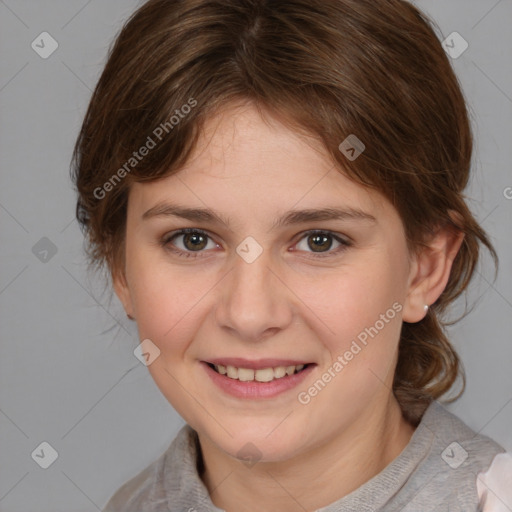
(276, 189)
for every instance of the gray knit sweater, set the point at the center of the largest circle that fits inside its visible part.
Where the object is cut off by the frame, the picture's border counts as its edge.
(436, 471)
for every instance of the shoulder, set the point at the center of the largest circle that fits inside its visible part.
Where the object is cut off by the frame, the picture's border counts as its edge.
(456, 455)
(494, 486)
(461, 446)
(148, 489)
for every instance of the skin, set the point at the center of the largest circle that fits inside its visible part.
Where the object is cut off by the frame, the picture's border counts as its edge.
(286, 303)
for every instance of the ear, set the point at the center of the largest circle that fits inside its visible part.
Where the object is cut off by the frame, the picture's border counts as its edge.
(430, 271)
(122, 291)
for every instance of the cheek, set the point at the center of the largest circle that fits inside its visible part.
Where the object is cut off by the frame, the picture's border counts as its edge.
(357, 315)
(347, 302)
(166, 304)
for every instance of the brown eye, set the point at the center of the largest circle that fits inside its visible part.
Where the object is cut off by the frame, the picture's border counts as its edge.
(194, 241)
(319, 243)
(188, 242)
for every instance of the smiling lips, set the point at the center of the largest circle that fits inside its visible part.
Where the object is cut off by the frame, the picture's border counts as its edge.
(256, 380)
(264, 370)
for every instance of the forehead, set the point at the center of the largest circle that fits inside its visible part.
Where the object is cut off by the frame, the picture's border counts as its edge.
(244, 159)
(242, 139)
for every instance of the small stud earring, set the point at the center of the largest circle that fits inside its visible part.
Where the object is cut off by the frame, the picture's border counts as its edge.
(425, 308)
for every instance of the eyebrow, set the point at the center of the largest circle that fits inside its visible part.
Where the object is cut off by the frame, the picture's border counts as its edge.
(289, 218)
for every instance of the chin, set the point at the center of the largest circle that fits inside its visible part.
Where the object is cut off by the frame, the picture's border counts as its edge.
(257, 446)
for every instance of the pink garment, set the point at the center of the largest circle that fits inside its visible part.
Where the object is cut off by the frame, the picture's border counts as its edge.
(494, 487)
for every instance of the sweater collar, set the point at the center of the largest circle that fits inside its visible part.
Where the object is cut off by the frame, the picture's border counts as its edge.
(184, 462)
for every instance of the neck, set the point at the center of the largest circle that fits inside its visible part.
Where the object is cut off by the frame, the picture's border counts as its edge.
(314, 479)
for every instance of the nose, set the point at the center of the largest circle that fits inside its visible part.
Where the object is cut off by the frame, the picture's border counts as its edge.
(255, 302)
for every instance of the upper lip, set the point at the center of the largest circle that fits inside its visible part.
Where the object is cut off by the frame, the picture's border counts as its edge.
(260, 364)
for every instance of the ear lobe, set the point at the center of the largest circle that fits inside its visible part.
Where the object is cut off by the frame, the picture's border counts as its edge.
(122, 291)
(430, 272)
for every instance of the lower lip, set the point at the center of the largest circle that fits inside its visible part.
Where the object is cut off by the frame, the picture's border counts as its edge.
(255, 389)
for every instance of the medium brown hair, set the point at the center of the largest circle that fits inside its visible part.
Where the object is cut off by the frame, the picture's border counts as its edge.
(373, 68)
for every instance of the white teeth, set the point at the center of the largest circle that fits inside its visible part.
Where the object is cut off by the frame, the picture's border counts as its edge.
(279, 372)
(232, 372)
(263, 375)
(245, 374)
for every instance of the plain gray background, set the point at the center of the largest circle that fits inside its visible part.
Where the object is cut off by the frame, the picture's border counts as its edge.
(68, 373)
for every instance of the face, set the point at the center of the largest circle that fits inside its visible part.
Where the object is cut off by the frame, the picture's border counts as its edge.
(252, 281)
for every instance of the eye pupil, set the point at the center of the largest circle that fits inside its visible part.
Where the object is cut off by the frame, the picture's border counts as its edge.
(323, 240)
(196, 239)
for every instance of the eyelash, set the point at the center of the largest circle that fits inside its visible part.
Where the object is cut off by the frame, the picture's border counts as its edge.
(165, 242)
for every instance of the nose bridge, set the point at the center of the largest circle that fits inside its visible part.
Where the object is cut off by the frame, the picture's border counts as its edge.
(254, 300)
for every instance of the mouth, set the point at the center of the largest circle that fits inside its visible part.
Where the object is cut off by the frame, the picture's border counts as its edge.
(267, 378)
(266, 374)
